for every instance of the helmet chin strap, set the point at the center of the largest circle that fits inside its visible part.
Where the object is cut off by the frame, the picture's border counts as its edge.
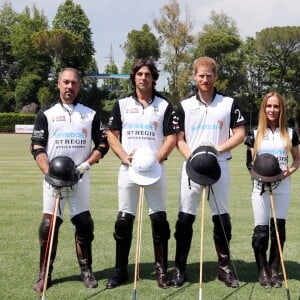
(272, 185)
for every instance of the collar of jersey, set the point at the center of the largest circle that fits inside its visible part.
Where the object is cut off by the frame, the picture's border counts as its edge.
(74, 102)
(213, 98)
(134, 96)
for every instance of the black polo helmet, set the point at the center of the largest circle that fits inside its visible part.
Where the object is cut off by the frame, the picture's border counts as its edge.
(62, 172)
(202, 166)
(266, 168)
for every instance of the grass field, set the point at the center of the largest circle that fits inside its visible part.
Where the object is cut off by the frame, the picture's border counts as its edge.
(20, 194)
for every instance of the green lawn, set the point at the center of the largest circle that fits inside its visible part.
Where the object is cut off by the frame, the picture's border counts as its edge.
(20, 194)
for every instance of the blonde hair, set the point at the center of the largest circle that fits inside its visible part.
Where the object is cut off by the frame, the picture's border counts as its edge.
(205, 61)
(263, 122)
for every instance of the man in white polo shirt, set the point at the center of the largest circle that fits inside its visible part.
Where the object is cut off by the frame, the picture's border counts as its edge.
(143, 119)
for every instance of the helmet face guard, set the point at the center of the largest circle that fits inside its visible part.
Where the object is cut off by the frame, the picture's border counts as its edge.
(62, 172)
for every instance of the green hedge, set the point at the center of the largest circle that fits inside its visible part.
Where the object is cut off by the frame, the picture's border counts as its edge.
(8, 121)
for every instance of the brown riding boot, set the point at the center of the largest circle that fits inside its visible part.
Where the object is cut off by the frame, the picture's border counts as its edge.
(183, 236)
(260, 240)
(123, 238)
(160, 235)
(84, 256)
(274, 259)
(225, 273)
(161, 264)
(43, 238)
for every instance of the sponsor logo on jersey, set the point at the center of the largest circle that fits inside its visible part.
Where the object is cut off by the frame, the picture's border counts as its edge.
(220, 124)
(194, 111)
(58, 118)
(68, 135)
(38, 134)
(206, 127)
(132, 110)
(139, 126)
(141, 131)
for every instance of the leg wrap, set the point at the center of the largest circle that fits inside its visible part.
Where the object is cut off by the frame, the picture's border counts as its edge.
(183, 236)
(123, 237)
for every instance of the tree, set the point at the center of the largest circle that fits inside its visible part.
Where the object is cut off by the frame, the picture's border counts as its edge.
(58, 44)
(27, 89)
(20, 60)
(177, 38)
(27, 56)
(72, 18)
(45, 96)
(8, 17)
(142, 44)
(280, 47)
(220, 40)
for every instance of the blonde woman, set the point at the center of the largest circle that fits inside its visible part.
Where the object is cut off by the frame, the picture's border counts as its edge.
(271, 136)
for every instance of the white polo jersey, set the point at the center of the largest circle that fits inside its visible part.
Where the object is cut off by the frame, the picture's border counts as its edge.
(143, 126)
(209, 123)
(273, 143)
(67, 130)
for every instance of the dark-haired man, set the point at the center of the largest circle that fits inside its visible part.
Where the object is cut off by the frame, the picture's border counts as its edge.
(143, 119)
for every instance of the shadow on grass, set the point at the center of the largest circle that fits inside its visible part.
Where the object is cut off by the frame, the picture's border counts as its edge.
(246, 273)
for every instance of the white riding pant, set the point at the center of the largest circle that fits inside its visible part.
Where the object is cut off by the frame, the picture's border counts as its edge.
(261, 204)
(77, 196)
(218, 195)
(128, 192)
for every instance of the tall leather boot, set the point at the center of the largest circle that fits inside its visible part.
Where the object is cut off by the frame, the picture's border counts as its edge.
(183, 236)
(260, 240)
(225, 273)
(274, 259)
(123, 237)
(43, 238)
(84, 235)
(84, 257)
(161, 235)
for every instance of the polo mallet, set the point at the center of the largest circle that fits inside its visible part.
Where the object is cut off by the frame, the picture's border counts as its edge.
(278, 242)
(50, 243)
(204, 193)
(138, 242)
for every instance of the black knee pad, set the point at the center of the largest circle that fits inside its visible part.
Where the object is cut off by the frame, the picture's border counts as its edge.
(160, 226)
(84, 227)
(45, 227)
(184, 226)
(218, 220)
(124, 226)
(260, 238)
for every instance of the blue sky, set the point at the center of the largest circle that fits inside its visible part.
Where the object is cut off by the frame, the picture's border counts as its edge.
(112, 20)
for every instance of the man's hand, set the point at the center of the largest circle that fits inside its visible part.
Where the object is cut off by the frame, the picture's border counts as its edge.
(83, 167)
